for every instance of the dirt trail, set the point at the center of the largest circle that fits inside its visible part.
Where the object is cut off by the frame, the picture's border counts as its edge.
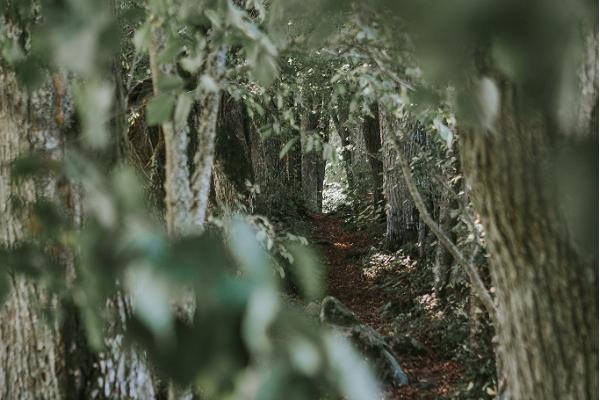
(344, 279)
(433, 378)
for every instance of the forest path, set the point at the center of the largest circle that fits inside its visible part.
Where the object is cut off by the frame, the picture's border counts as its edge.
(345, 279)
(432, 377)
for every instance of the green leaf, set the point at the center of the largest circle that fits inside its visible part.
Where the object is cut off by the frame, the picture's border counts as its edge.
(30, 73)
(150, 300)
(94, 100)
(444, 132)
(167, 83)
(264, 66)
(12, 52)
(33, 164)
(263, 306)
(192, 62)
(142, 38)
(287, 147)
(246, 249)
(182, 110)
(209, 83)
(489, 101)
(160, 109)
(355, 378)
(304, 355)
(173, 47)
(157, 7)
(307, 270)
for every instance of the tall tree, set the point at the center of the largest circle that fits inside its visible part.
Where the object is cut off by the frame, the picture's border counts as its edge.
(546, 289)
(340, 120)
(401, 214)
(372, 136)
(33, 355)
(233, 162)
(313, 165)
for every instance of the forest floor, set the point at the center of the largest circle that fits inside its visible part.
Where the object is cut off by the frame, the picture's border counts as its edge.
(432, 376)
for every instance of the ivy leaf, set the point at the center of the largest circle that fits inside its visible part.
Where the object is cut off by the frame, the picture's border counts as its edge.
(160, 109)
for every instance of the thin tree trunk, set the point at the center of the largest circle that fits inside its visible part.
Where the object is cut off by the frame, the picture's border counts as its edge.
(312, 161)
(207, 128)
(233, 164)
(340, 120)
(372, 136)
(178, 196)
(401, 215)
(271, 173)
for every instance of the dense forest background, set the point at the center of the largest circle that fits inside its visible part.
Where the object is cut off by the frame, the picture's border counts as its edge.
(248, 199)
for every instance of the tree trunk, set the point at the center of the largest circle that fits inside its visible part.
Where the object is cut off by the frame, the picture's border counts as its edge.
(271, 173)
(340, 120)
(32, 351)
(402, 221)
(447, 202)
(372, 136)
(546, 292)
(313, 165)
(206, 128)
(233, 164)
(41, 358)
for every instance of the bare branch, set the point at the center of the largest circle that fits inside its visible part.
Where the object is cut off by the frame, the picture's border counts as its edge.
(478, 285)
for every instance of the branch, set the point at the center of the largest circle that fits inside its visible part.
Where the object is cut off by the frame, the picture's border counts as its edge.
(206, 131)
(178, 196)
(480, 290)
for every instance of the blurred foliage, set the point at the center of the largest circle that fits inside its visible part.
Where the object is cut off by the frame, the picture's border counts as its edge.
(235, 329)
(284, 57)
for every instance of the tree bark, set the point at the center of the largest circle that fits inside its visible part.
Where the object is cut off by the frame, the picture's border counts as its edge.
(233, 163)
(32, 355)
(206, 127)
(546, 290)
(402, 221)
(340, 120)
(372, 136)
(41, 357)
(271, 173)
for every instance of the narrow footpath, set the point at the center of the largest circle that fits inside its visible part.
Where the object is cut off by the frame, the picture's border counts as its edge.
(432, 378)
